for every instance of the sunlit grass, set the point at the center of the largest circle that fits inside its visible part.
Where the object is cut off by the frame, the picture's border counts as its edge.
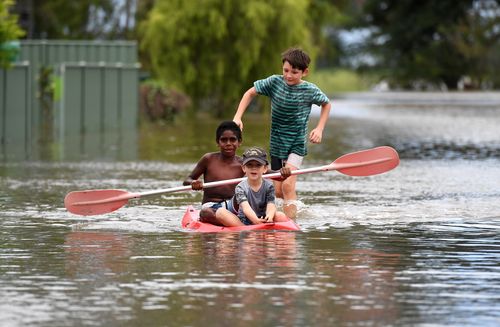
(333, 81)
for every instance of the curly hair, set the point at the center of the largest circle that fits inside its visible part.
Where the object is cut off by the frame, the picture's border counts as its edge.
(296, 57)
(228, 125)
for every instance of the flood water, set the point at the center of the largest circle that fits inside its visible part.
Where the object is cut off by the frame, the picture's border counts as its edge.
(417, 246)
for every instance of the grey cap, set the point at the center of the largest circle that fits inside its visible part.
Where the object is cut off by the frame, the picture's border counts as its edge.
(256, 154)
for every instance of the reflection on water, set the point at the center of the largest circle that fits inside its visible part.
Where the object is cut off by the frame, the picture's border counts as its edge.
(252, 270)
(419, 245)
(424, 125)
(93, 254)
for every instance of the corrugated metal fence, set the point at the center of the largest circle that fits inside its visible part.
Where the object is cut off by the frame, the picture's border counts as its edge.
(96, 94)
(15, 111)
(98, 106)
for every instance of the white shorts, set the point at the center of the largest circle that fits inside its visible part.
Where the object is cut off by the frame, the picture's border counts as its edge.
(293, 159)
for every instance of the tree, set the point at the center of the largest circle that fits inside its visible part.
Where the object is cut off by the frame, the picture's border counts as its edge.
(215, 49)
(9, 31)
(420, 40)
(477, 39)
(83, 19)
(326, 19)
(60, 19)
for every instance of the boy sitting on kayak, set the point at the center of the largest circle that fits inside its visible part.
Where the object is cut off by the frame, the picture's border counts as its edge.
(216, 166)
(254, 195)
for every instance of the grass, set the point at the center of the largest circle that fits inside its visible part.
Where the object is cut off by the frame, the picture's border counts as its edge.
(332, 81)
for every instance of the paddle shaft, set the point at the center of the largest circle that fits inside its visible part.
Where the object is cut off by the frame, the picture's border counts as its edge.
(332, 166)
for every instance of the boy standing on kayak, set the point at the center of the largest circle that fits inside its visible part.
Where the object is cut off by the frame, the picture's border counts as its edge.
(291, 101)
(255, 195)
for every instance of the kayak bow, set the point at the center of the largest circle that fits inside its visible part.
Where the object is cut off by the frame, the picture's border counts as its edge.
(191, 222)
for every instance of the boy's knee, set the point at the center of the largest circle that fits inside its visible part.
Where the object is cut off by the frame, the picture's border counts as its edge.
(207, 213)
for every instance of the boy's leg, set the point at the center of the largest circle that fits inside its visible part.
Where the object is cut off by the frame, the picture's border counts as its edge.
(277, 164)
(286, 189)
(227, 218)
(293, 162)
(278, 192)
(289, 195)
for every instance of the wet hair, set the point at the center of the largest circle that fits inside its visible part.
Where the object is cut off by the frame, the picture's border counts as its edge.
(297, 58)
(228, 125)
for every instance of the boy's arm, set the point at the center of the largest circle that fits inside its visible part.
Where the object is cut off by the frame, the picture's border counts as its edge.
(192, 178)
(284, 171)
(270, 212)
(250, 214)
(244, 102)
(316, 134)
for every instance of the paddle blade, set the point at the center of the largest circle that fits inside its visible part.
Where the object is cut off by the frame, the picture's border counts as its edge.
(368, 162)
(95, 202)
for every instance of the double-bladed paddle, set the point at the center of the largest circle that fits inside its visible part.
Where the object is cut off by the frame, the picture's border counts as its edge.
(362, 163)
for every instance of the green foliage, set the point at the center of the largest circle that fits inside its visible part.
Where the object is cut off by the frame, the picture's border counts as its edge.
(82, 19)
(158, 102)
(477, 38)
(433, 41)
(325, 21)
(9, 31)
(216, 48)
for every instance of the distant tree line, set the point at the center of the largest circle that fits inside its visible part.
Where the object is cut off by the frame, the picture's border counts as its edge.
(77, 20)
(215, 49)
(433, 42)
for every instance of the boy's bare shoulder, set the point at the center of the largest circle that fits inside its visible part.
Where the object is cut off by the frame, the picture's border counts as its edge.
(217, 155)
(210, 155)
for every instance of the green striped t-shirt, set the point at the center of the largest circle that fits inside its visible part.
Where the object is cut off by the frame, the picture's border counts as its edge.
(290, 109)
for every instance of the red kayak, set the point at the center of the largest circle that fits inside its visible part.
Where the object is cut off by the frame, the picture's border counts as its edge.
(190, 221)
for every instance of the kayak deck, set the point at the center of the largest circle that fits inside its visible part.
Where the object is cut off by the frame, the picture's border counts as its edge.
(191, 221)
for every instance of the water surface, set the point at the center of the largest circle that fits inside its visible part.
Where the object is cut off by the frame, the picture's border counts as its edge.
(419, 245)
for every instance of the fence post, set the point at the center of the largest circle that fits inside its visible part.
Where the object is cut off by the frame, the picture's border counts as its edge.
(15, 113)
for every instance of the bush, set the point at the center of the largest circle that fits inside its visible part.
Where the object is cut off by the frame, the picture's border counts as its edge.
(160, 103)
